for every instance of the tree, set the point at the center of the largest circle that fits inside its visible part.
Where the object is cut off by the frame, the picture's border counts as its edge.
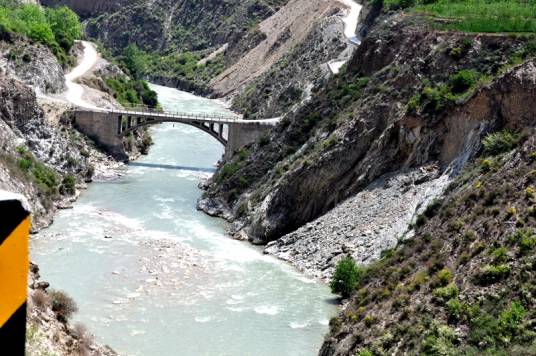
(65, 25)
(134, 59)
(346, 277)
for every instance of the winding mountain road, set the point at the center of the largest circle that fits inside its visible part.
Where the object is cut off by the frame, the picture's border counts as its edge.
(350, 26)
(351, 20)
(75, 91)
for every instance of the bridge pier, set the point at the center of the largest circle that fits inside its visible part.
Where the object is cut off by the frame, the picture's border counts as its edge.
(240, 135)
(104, 129)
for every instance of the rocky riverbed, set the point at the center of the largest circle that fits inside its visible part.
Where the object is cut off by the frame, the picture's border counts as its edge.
(363, 226)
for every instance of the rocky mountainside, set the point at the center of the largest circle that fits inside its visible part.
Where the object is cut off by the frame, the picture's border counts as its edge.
(281, 32)
(187, 24)
(87, 8)
(39, 160)
(398, 107)
(31, 63)
(235, 42)
(465, 283)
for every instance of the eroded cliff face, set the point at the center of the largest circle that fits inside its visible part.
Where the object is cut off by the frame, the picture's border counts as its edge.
(287, 84)
(374, 119)
(36, 154)
(31, 63)
(287, 28)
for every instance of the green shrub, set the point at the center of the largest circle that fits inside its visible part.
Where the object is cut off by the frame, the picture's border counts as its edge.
(369, 320)
(45, 176)
(25, 164)
(69, 184)
(228, 170)
(486, 165)
(463, 81)
(500, 255)
(525, 240)
(346, 277)
(454, 309)
(491, 274)
(486, 330)
(499, 142)
(440, 341)
(365, 352)
(444, 294)
(442, 278)
(456, 53)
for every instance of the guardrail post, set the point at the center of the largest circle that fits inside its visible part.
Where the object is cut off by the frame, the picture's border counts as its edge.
(14, 265)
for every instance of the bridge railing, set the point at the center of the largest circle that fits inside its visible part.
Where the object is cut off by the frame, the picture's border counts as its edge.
(144, 109)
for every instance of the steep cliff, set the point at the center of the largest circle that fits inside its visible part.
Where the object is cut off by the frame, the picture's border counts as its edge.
(288, 82)
(42, 161)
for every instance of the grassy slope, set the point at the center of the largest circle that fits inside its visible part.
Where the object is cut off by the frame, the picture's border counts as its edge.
(475, 15)
(464, 284)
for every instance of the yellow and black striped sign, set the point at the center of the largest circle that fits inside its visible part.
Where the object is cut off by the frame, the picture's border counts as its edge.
(14, 264)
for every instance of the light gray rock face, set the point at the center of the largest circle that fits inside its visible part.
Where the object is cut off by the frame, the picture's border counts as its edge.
(362, 226)
(32, 64)
(23, 126)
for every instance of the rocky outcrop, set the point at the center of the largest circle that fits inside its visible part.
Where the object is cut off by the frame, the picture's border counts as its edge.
(363, 226)
(39, 149)
(32, 63)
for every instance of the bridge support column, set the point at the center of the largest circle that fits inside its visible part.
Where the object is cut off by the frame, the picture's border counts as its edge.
(241, 135)
(103, 128)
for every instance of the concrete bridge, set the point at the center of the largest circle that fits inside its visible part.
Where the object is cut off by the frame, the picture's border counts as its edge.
(108, 127)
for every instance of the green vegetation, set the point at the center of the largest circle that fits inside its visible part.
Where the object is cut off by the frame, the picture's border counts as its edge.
(474, 15)
(48, 182)
(463, 81)
(499, 142)
(496, 331)
(132, 92)
(345, 278)
(69, 184)
(181, 66)
(57, 28)
(464, 284)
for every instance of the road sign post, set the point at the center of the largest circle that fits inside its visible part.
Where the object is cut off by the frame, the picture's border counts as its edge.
(14, 265)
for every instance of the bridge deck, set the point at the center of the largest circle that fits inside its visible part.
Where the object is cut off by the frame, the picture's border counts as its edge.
(190, 117)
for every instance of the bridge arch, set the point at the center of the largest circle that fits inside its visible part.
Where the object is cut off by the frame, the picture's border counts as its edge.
(108, 127)
(128, 124)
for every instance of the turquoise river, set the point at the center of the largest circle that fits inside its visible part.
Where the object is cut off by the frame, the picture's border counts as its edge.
(153, 276)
